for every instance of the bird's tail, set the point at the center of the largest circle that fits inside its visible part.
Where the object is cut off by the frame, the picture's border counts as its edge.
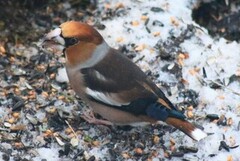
(186, 127)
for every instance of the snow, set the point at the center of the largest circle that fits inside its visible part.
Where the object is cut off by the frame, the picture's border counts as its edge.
(198, 134)
(48, 154)
(62, 75)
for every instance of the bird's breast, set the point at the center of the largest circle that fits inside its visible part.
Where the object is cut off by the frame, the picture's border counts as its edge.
(76, 80)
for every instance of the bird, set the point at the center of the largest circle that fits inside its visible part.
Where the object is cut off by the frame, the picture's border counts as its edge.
(110, 83)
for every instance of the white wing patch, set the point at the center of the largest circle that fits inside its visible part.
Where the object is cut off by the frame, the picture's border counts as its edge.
(100, 76)
(104, 97)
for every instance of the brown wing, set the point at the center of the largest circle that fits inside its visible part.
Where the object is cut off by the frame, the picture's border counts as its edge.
(123, 85)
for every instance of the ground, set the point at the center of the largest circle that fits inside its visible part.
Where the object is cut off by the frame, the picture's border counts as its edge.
(40, 114)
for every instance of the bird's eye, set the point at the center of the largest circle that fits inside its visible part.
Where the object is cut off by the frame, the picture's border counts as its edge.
(70, 41)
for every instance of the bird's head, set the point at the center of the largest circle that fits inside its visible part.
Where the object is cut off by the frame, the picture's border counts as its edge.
(79, 41)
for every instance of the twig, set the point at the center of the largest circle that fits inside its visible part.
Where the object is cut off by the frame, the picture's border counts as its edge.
(202, 81)
(71, 128)
(237, 93)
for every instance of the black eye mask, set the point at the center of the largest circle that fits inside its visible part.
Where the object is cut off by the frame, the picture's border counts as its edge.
(69, 41)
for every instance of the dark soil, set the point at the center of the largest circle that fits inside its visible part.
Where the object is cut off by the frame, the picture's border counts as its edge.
(220, 17)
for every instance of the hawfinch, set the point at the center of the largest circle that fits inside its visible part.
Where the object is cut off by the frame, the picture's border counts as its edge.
(110, 83)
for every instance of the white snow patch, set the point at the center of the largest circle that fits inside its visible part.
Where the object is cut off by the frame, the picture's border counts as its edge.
(198, 134)
(48, 154)
(62, 75)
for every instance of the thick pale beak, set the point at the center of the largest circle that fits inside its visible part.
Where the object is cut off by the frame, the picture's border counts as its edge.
(53, 42)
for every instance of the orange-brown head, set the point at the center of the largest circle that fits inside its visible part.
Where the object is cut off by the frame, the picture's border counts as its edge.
(79, 41)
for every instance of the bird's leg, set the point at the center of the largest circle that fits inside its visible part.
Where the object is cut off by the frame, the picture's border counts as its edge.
(90, 118)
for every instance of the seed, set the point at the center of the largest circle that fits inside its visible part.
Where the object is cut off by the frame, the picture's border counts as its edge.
(186, 57)
(12, 59)
(96, 143)
(92, 158)
(61, 97)
(229, 158)
(68, 131)
(156, 139)
(16, 114)
(11, 120)
(2, 49)
(221, 97)
(32, 119)
(172, 141)
(119, 5)
(144, 17)
(119, 39)
(7, 124)
(18, 105)
(18, 128)
(45, 94)
(174, 21)
(186, 149)
(52, 76)
(156, 9)
(190, 114)
(172, 148)
(59, 141)
(157, 23)
(140, 47)
(166, 154)
(224, 145)
(135, 23)
(138, 151)
(181, 56)
(107, 6)
(212, 117)
(125, 155)
(71, 135)
(48, 133)
(155, 153)
(180, 62)
(155, 34)
(74, 141)
(192, 72)
(17, 91)
(232, 141)
(18, 145)
(222, 121)
(177, 154)
(31, 94)
(229, 121)
(52, 110)
(190, 108)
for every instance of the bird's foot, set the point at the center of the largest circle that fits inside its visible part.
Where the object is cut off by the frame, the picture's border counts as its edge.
(90, 118)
